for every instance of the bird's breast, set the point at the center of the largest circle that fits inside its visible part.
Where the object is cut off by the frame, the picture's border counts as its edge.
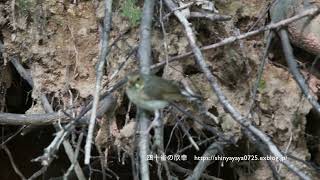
(139, 99)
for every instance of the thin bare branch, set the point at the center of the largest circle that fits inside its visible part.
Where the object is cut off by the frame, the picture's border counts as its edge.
(145, 61)
(74, 161)
(212, 150)
(106, 27)
(229, 40)
(293, 68)
(180, 169)
(144, 51)
(13, 164)
(210, 16)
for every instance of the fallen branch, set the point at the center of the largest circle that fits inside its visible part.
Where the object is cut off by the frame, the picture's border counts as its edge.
(32, 119)
(46, 118)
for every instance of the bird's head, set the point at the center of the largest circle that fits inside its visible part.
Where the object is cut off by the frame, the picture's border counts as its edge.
(135, 81)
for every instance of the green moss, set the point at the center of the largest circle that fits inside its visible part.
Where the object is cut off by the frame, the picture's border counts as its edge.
(131, 11)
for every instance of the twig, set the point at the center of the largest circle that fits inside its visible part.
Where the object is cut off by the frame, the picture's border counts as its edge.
(194, 144)
(120, 36)
(178, 9)
(13, 14)
(262, 15)
(235, 114)
(263, 149)
(23, 73)
(13, 164)
(144, 51)
(309, 164)
(293, 68)
(1, 48)
(180, 169)
(212, 150)
(48, 118)
(38, 173)
(229, 40)
(74, 162)
(210, 16)
(143, 148)
(103, 158)
(158, 141)
(49, 151)
(122, 65)
(210, 129)
(105, 104)
(260, 73)
(164, 33)
(170, 137)
(47, 107)
(200, 143)
(106, 27)
(75, 51)
(73, 159)
(11, 136)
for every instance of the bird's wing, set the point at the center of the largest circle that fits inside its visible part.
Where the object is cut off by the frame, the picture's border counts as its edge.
(159, 88)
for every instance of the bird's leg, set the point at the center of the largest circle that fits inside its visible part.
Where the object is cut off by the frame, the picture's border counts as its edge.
(192, 96)
(155, 121)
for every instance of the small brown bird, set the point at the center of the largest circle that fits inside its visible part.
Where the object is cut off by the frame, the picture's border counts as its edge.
(152, 93)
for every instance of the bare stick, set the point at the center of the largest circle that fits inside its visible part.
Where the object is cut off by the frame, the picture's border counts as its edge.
(235, 114)
(293, 67)
(145, 61)
(47, 118)
(200, 143)
(260, 73)
(34, 119)
(74, 162)
(210, 129)
(210, 16)
(144, 51)
(13, 164)
(194, 144)
(180, 169)
(143, 148)
(158, 142)
(106, 27)
(38, 173)
(11, 136)
(212, 150)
